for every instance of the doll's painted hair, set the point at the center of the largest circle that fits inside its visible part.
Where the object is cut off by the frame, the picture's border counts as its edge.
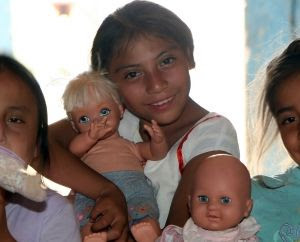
(86, 88)
(9, 64)
(279, 69)
(136, 19)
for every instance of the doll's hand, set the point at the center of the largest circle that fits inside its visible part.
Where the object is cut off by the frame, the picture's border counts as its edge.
(158, 142)
(110, 212)
(99, 129)
(155, 132)
(4, 232)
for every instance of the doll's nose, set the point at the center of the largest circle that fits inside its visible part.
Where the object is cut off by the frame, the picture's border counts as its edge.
(212, 205)
(100, 119)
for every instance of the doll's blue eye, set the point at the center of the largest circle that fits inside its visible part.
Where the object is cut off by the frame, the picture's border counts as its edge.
(203, 199)
(104, 112)
(84, 119)
(225, 200)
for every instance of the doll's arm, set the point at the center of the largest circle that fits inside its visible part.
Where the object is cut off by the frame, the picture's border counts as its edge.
(157, 148)
(65, 168)
(85, 141)
(81, 144)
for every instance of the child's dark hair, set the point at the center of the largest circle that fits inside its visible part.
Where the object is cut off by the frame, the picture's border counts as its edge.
(281, 68)
(9, 64)
(138, 18)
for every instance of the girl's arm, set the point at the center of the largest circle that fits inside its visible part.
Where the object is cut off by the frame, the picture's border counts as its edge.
(157, 147)
(4, 232)
(179, 212)
(65, 168)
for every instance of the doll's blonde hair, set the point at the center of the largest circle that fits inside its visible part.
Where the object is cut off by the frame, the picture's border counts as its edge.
(89, 87)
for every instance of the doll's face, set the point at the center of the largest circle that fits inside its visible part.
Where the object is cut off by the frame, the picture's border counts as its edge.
(220, 196)
(287, 115)
(107, 111)
(18, 116)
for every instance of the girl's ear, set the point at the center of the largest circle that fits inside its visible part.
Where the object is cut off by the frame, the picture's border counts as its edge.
(35, 162)
(189, 202)
(190, 59)
(249, 204)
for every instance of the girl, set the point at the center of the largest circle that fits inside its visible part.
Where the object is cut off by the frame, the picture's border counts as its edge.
(276, 200)
(148, 51)
(23, 130)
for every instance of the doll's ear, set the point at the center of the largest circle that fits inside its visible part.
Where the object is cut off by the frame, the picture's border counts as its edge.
(72, 122)
(121, 108)
(249, 204)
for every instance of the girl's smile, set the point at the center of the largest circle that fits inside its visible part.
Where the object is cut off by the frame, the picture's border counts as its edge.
(153, 78)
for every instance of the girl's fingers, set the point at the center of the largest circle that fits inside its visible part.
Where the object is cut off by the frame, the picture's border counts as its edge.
(110, 214)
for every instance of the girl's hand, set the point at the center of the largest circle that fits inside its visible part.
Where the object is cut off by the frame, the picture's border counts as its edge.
(4, 232)
(110, 214)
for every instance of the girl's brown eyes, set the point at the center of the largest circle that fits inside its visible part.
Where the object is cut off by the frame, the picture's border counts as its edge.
(287, 120)
(132, 75)
(168, 60)
(15, 120)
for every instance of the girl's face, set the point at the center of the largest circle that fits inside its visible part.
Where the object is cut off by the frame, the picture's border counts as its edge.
(287, 115)
(18, 116)
(152, 75)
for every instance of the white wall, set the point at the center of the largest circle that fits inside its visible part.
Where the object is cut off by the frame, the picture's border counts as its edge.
(56, 48)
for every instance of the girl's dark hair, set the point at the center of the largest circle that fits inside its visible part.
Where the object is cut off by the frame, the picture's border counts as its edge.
(138, 18)
(265, 131)
(281, 68)
(9, 64)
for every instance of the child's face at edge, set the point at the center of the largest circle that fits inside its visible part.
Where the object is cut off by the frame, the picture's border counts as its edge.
(152, 75)
(217, 201)
(287, 115)
(18, 116)
(96, 112)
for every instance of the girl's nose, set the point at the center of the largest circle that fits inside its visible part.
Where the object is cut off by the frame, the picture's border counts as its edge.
(155, 82)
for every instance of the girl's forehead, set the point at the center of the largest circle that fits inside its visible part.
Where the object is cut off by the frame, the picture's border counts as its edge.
(16, 90)
(140, 49)
(129, 45)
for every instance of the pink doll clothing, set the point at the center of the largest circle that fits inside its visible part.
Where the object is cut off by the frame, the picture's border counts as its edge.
(245, 231)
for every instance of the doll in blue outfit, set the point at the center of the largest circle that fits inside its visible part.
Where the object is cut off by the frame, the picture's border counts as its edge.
(276, 199)
(94, 109)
